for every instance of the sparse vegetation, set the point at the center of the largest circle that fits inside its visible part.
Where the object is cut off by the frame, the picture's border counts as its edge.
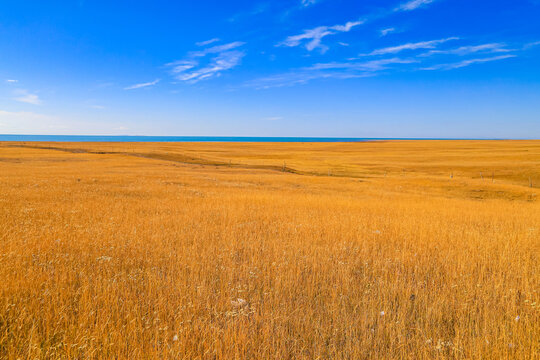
(417, 250)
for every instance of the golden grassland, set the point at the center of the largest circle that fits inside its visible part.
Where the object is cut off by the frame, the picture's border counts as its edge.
(389, 250)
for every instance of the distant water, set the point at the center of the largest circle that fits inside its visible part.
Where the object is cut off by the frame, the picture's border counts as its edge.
(122, 138)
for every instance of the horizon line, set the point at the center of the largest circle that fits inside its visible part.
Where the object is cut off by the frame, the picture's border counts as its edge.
(235, 138)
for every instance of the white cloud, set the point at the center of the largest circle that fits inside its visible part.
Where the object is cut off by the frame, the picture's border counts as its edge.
(312, 37)
(190, 69)
(12, 81)
(387, 31)
(217, 49)
(138, 86)
(348, 26)
(411, 46)
(182, 65)
(333, 70)
(298, 77)
(531, 45)
(224, 61)
(308, 2)
(368, 66)
(25, 97)
(465, 63)
(207, 42)
(412, 5)
(274, 118)
(466, 50)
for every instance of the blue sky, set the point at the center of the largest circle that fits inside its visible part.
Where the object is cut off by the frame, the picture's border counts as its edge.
(418, 68)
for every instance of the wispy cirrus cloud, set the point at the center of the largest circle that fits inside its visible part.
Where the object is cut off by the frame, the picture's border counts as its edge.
(432, 44)
(12, 81)
(194, 69)
(207, 42)
(312, 38)
(356, 68)
(307, 3)
(367, 66)
(333, 70)
(466, 50)
(297, 77)
(387, 31)
(224, 61)
(465, 63)
(413, 5)
(26, 97)
(142, 85)
(217, 49)
(531, 45)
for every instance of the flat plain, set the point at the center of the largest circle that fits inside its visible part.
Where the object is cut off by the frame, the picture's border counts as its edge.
(373, 250)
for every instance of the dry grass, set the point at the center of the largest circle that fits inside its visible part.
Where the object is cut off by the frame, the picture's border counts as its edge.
(212, 251)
